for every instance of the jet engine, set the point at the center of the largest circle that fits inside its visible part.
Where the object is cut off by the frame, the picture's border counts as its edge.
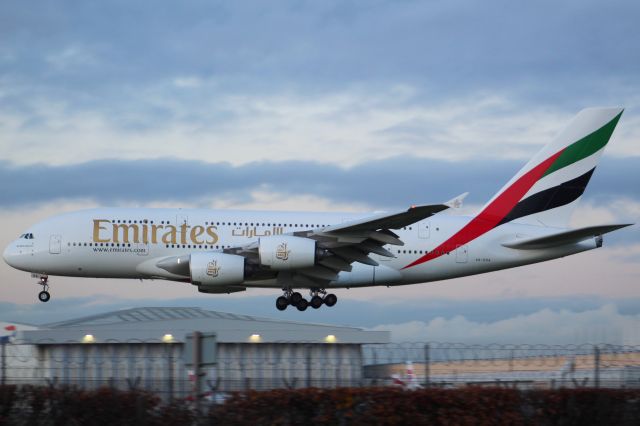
(216, 269)
(285, 252)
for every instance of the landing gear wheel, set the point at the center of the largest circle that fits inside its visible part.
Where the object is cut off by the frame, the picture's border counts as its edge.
(295, 298)
(43, 281)
(44, 296)
(302, 305)
(282, 303)
(316, 302)
(330, 299)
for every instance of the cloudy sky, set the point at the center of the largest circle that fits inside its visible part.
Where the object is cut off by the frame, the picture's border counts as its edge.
(345, 105)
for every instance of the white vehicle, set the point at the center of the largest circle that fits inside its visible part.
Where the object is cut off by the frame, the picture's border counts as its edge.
(222, 251)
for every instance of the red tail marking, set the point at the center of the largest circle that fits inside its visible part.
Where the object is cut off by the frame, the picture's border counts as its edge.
(488, 218)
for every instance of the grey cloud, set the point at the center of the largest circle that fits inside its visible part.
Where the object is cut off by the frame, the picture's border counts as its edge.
(394, 182)
(105, 55)
(602, 325)
(382, 314)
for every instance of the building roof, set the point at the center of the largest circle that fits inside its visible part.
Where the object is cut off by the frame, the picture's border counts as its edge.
(150, 324)
(125, 316)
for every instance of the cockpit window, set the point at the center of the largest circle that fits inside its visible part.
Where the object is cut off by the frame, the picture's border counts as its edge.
(27, 236)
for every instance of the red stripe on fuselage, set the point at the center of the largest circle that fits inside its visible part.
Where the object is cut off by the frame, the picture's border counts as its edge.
(488, 218)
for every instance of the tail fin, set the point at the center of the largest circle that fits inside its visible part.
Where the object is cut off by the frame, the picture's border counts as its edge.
(546, 190)
(548, 187)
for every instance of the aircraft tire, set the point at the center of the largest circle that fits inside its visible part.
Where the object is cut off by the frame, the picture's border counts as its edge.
(302, 305)
(316, 302)
(282, 303)
(44, 296)
(295, 298)
(330, 299)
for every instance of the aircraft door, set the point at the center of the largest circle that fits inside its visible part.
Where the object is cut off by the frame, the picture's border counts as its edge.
(424, 230)
(462, 254)
(55, 244)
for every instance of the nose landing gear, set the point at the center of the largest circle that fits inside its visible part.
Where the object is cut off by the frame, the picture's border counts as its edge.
(295, 299)
(44, 295)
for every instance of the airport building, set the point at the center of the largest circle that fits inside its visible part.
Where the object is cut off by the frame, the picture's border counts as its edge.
(145, 348)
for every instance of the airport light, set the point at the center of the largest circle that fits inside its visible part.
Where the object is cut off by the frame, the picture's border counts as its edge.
(330, 338)
(255, 338)
(88, 338)
(167, 338)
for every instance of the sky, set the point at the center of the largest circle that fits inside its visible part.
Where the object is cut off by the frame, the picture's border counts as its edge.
(332, 106)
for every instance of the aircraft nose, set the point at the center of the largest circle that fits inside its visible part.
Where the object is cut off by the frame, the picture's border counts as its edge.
(9, 254)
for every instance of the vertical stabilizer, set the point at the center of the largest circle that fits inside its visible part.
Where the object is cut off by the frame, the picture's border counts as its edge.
(546, 190)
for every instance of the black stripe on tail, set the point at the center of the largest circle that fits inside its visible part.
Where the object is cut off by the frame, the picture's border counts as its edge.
(557, 196)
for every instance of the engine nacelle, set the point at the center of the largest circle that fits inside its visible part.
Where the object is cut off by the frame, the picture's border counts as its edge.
(284, 252)
(213, 269)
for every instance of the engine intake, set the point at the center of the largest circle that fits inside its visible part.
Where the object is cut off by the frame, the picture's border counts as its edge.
(216, 269)
(285, 252)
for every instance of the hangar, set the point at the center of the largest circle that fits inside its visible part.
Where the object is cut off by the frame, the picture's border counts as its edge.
(144, 348)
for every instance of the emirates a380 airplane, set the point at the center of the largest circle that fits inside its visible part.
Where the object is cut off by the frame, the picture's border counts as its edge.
(227, 251)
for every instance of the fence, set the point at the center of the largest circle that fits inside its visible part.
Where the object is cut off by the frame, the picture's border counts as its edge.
(521, 365)
(159, 367)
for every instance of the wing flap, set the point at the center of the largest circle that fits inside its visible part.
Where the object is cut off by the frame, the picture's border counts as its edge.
(571, 236)
(351, 254)
(319, 272)
(335, 262)
(372, 247)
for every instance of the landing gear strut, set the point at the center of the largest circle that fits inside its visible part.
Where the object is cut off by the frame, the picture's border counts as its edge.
(319, 297)
(44, 295)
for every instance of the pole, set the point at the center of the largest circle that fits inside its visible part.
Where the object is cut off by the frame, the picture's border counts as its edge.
(596, 369)
(427, 365)
(170, 347)
(308, 366)
(376, 368)
(197, 361)
(4, 361)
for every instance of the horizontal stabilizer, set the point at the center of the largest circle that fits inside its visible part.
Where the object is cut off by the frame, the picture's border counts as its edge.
(571, 236)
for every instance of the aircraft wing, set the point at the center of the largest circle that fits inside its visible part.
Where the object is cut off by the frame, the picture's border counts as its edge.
(396, 220)
(349, 242)
(571, 236)
(339, 246)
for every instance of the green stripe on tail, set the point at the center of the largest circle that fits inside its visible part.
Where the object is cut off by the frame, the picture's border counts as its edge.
(585, 147)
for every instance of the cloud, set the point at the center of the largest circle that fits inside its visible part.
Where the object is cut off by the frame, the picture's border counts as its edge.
(346, 127)
(602, 325)
(335, 105)
(332, 43)
(390, 183)
(331, 82)
(518, 320)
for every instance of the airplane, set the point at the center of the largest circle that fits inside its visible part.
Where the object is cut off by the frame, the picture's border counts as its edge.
(409, 381)
(222, 251)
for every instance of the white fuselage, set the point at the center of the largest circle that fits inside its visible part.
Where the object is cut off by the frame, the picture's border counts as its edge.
(123, 243)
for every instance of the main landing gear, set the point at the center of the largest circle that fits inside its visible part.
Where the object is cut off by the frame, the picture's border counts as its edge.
(44, 295)
(318, 298)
